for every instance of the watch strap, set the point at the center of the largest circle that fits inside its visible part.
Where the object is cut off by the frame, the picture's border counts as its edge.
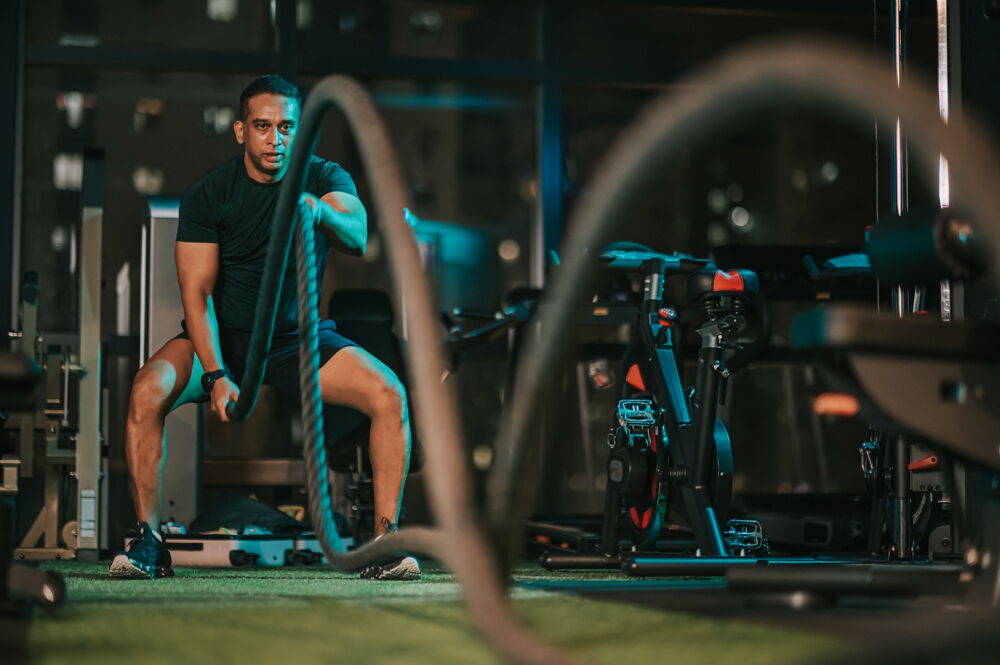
(208, 379)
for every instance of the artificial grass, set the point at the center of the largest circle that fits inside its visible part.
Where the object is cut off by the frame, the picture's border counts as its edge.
(302, 616)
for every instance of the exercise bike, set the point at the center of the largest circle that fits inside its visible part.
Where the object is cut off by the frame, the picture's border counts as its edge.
(670, 463)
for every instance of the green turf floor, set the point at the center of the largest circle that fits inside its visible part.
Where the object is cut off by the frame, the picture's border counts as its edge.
(300, 616)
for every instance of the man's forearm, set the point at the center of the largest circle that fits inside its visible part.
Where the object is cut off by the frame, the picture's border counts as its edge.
(203, 329)
(346, 228)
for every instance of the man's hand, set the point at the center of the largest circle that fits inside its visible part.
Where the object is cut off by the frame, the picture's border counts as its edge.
(340, 217)
(224, 391)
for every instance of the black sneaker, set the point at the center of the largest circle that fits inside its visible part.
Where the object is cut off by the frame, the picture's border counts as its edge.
(145, 557)
(404, 568)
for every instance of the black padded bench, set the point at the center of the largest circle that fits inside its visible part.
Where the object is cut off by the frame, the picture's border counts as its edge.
(934, 379)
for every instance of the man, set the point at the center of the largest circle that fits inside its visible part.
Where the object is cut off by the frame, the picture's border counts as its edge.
(222, 238)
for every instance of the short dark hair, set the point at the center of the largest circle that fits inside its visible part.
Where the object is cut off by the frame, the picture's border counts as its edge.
(268, 84)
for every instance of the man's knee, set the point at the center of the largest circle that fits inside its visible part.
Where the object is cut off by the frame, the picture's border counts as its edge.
(151, 392)
(389, 398)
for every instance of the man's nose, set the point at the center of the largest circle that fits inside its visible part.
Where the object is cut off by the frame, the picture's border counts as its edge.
(276, 136)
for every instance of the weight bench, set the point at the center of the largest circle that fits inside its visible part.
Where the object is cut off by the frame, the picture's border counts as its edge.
(918, 375)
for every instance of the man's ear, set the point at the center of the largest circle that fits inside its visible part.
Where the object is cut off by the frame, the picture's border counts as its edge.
(238, 130)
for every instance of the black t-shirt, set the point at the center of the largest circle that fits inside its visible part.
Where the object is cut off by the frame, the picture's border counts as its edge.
(229, 208)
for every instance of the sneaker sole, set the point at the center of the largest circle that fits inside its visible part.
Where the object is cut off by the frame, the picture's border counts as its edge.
(124, 568)
(405, 570)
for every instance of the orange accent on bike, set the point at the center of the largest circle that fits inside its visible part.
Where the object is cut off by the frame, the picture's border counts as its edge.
(634, 378)
(640, 522)
(836, 404)
(923, 464)
(728, 281)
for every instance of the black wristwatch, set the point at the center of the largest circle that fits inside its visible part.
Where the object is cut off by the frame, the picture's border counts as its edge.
(208, 380)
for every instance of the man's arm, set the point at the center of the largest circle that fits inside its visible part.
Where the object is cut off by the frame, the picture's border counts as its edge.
(197, 269)
(342, 218)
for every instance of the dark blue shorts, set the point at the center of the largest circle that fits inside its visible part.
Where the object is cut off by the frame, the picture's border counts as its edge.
(282, 369)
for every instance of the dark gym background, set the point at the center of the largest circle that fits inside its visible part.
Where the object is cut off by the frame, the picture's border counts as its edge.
(500, 112)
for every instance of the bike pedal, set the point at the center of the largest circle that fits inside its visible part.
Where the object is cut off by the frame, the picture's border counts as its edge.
(746, 537)
(636, 413)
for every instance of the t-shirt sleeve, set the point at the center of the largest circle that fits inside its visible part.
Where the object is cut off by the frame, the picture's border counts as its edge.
(330, 177)
(195, 220)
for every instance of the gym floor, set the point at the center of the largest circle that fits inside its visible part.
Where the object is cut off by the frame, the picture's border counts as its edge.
(306, 615)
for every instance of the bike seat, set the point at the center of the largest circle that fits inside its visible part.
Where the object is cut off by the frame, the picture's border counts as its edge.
(619, 259)
(712, 281)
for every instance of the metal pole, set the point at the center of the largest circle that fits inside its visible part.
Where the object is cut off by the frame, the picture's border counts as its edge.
(88, 439)
(12, 80)
(548, 220)
(900, 513)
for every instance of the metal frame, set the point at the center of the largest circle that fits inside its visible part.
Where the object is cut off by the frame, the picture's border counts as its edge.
(11, 80)
(89, 438)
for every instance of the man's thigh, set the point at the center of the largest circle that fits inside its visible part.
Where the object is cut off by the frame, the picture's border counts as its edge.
(353, 377)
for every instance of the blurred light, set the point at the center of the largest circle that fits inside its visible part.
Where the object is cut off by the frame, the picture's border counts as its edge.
(223, 11)
(829, 172)
(147, 180)
(735, 193)
(347, 22)
(529, 190)
(303, 14)
(78, 40)
(67, 171)
(740, 218)
(800, 180)
(509, 250)
(74, 103)
(59, 238)
(146, 112)
(717, 201)
(426, 20)
(218, 119)
(482, 457)
(72, 250)
(463, 102)
(717, 234)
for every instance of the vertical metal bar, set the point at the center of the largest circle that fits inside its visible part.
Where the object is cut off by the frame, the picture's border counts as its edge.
(29, 347)
(944, 191)
(586, 441)
(11, 82)
(7, 542)
(53, 474)
(899, 38)
(901, 500)
(548, 219)
(88, 440)
(902, 299)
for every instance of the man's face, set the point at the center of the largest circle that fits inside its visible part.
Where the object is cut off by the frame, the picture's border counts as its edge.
(267, 133)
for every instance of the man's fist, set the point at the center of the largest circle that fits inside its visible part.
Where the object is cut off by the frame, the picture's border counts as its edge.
(224, 391)
(309, 207)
